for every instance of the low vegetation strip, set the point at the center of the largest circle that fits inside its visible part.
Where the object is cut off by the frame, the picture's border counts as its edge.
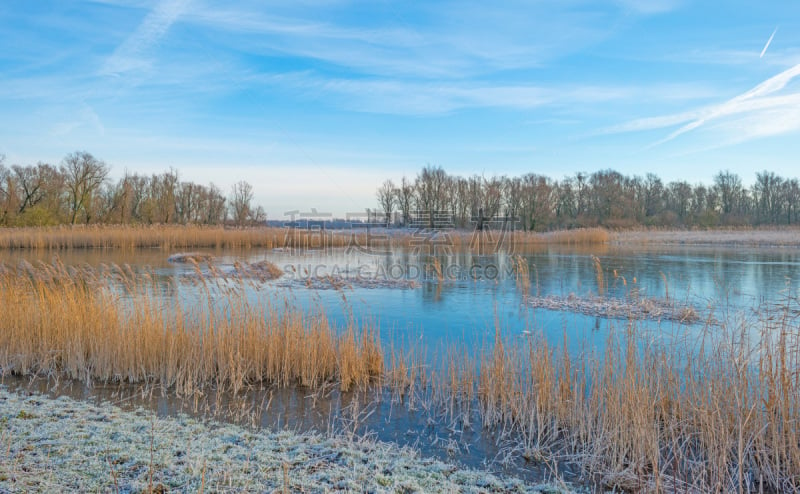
(167, 237)
(173, 237)
(62, 445)
(741, 237)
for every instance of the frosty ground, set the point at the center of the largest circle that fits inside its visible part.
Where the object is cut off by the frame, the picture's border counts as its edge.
(59, 445)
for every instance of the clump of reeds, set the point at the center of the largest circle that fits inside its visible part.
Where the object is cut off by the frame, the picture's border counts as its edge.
(437, 269)
(72, 323)
(260, 270)
(715, 414)
(522, 274)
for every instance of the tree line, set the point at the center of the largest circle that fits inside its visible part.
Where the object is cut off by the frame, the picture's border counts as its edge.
(79, 191)
(604, 198)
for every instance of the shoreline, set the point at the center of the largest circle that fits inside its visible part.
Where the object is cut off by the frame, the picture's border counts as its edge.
(56, 444)
(177, 238)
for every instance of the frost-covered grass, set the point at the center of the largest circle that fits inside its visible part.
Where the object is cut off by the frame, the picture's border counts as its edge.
(618, 308)
(63, 445)
(784, 237)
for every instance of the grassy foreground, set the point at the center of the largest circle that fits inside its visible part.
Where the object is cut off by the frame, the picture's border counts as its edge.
(62, 445)
(715, 412)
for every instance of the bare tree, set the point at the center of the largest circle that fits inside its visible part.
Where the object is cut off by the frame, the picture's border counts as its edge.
(493, 196)
(728, 186)
(7, 205)
(790, 191)
(461, 202)
(679, 197)
(240, 202)
(386, 199)
(187, 202)
(214, 206)
(259, 215)
(83, 176)
(767, 196)
(653, 192)
(33, 183)
(538, 204)
(163, 189)
(405, 199)
(430, 188)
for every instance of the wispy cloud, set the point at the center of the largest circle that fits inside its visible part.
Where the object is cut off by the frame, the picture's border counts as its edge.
(420, 98)
(130, 55)
(439, 40)
(85, 117)
(650, 6)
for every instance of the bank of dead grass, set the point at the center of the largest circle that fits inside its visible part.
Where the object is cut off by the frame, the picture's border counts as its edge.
(179, 237)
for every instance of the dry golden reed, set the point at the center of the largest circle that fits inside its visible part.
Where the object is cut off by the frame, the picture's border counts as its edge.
(717, 415)
(598, 274)
(177, 237)
(168, 237)
(66, 322)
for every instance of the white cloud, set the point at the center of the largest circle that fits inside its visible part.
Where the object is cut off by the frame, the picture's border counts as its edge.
(440, 40)
(129, 56)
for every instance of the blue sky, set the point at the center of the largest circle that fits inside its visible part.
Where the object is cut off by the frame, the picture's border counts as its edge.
(317, 102)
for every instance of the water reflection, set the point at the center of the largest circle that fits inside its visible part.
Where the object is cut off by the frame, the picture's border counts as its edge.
(457, 292)
(458, 296)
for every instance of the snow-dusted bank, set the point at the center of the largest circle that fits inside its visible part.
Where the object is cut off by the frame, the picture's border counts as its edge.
(63, 445)
(769, 237)
(621, 308)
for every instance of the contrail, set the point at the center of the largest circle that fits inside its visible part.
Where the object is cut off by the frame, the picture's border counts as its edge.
(740, 103)
(768, 42)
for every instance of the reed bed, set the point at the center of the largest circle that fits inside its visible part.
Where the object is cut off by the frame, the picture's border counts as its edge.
(715, 412)
(578, 236)
(771, 236)
(73, 323)
(718, 414)
(177, 237)
(166, 237)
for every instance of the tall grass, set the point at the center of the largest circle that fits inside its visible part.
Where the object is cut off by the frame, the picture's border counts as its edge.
(170, 237)
(717, 412)
(706, 416)
(165, 237)
(62, 322)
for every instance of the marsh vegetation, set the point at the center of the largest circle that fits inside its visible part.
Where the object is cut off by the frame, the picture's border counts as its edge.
(697, 407)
